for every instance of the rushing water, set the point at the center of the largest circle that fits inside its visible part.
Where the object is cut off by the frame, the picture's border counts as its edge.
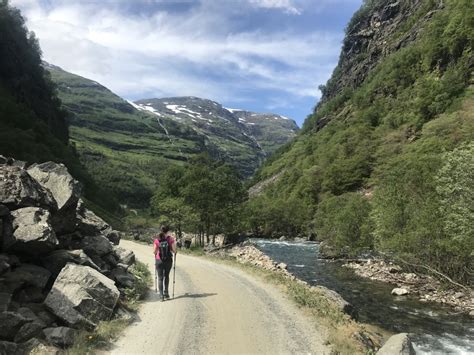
(435, 329)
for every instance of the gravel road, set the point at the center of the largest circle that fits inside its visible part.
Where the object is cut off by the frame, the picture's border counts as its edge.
(217, 309)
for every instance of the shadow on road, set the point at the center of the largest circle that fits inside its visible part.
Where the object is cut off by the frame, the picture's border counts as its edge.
(155, 297)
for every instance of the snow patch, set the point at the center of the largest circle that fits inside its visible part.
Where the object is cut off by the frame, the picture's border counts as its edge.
(134, 105)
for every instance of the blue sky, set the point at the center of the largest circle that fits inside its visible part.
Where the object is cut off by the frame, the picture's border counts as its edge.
(259, 55)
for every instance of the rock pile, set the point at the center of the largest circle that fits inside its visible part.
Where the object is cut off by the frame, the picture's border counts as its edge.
(61, 268)
(425, 287)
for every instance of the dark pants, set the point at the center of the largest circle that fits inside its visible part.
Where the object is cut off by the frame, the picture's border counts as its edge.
(163, 270)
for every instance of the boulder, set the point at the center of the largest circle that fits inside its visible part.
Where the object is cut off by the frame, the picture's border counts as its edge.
(82, 296)
(111, 260)
(336, 299)
(60, 336)
(29, 274)
(56, 178)
(4, 211)
(98, 245)
(124, 256)
(57, 259)
(398, 344)
(18, 189)
(10, 323)
(400, 291)
(30, 294)
(29, 315)
(4, 263)
(88, 223)
(113, 236)
(5, 300)
(7, 348)
(28, 331)
(32, 231)
(122, 277)
(64, 221)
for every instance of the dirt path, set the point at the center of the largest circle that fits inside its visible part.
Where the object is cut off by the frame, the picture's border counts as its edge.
(217, 309)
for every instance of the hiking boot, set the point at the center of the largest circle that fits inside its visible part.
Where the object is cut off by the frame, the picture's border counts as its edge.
(167, 296)
(162, 298)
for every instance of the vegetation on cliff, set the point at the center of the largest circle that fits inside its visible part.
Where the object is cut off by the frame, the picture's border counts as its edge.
(379, 162)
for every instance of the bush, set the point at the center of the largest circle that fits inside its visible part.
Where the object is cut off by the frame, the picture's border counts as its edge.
(343, 222)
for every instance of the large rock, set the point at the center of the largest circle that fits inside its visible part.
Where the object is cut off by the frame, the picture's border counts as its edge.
(55, 178)
(32, 231)
(337, 300)
(98, 245)
(60, 336)
(29, 274)
(56, 260)
(82, 296)
(113, 236)
(10, 323)
(7, 348)
(5, 300)
(18, 189)
(28, 331)
(88, 223)
(4, 211)
(122, 277)
(398, 344)
(124, 256)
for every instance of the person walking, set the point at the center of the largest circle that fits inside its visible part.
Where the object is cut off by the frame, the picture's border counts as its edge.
(164, 246)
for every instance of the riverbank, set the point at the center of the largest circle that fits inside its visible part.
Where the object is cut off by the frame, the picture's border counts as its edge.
(328, 308)
(424, 287)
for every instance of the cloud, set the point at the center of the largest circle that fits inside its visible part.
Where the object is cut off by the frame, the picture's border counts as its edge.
(285, 5)
(204, 51)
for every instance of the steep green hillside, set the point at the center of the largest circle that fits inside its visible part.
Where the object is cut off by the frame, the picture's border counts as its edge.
(123, 148)
(383, 161)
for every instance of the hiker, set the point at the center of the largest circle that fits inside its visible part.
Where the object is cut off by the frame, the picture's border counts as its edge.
(163, 248)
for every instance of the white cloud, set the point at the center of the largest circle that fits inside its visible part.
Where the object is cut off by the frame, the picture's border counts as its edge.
(164, 53)
(286, 5)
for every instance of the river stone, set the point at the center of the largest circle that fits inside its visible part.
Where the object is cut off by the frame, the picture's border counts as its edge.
(56, 178)
(98, 245)
(18, 189)
(124, 256)
(28, 331)
(400, 291)
(7, 348)
(60, 336)
(32, 231)
(82, 296)
(10, 323)
(57, 259)
(398, 344)
(336, 299)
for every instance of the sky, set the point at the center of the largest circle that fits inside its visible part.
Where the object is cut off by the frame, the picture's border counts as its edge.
(258, 55)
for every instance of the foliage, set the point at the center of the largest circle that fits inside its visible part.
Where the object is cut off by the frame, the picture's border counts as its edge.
(141, 284)
(387, 137)
(203, 197)
(344, 221)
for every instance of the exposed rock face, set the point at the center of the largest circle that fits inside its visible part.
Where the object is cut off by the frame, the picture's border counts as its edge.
(366, 42)
(32, 231)
(18, 189)
(82, 296)
(55, 177)
(398, 344)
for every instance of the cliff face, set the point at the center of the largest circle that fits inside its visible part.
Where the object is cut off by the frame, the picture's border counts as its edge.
(378, 29)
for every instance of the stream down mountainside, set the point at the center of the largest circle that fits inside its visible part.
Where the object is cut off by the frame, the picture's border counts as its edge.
(217, 309)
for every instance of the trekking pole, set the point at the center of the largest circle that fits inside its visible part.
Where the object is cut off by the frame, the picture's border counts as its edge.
(174, 272)
(156, 291)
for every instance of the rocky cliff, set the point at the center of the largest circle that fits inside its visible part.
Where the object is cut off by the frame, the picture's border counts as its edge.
(61, 268)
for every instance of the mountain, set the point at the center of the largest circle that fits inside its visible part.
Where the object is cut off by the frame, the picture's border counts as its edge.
(381, 163)
(126, 145)
(261, 132)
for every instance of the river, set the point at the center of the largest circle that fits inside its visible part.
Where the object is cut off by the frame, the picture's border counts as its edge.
(434, 328)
